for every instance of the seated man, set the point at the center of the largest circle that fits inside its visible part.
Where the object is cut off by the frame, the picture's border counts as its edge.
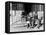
(40, 17)
(35, 17)
(29, 18)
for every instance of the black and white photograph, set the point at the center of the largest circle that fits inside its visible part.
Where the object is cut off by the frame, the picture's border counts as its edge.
(25, 17)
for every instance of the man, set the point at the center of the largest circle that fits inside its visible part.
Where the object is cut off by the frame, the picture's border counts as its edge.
(30, 19)
(35, 16)
(40, 17)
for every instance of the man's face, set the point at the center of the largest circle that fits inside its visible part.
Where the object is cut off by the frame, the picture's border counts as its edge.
(30, 14)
